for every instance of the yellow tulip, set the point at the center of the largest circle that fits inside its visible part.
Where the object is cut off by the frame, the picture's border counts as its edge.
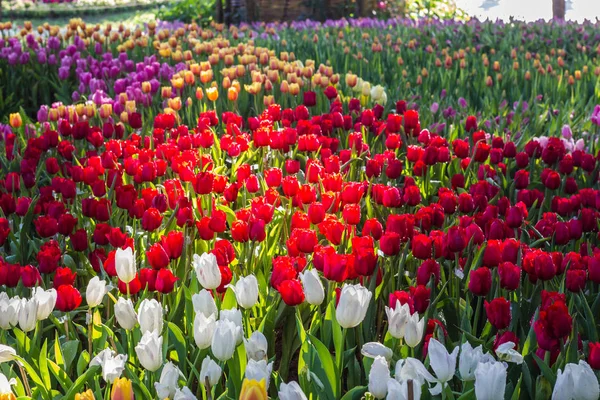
(212, 93)
(253, 390)
(121, 390)
(8, 396)
(232, 94)
(15, 120)
(87, 395)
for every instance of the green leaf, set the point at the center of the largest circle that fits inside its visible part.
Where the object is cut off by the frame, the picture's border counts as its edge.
(60, 375)
(82, 380)
(546, 371)
(43, 362)
(326, 362)
(179, 343)
(69, 351)
(82, 363)
(355, 393)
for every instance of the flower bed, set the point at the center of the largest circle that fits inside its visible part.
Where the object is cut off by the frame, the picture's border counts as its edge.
(233, 214)
(59, 5)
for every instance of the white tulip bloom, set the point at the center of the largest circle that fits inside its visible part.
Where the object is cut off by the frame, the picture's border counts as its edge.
(490, 381)
(413, 331)
(256, 346)
(168, 383)
(259, 370)
(291, 391)
(125, 314)
(352, 307)
(442, 363)
(225, 339)
(210, 370)
(506, 352)
(576, 382)
(397, 319)
(150, 316)
(7, 353)
(204, 303)
(469, 360)
(207, 270)
(378, 377)
(313, 287)
(149, 351)
(112, 364)
(246, 291)
(204, 329)
(374, 349)
(96, 289)
(184, 394)
(46, 300)
(234, 315)
(125, 264)
(28, 314)
(5, 384)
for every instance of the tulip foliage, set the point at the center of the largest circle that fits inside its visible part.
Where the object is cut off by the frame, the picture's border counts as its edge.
(292, 231)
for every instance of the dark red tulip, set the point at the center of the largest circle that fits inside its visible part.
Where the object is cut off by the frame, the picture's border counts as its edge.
(68, 298)
(480, 281)
(498, 312)
(165, 281)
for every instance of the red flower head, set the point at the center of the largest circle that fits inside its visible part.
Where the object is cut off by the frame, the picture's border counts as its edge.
(498, 312)
(310, 99)
(390, 243)
(165, 281)
(426, 270)
(134, 286)
(291, 292)
(510, 275)
(307, 239)
(48, 257)
(147, 277)
(402, 297)
(64, 276)
(151, 219)
(594, 355)
(506, 337)
(157, 256)
(480, 281)
(68, 298)
(421, 247)
(421, 297)
(46, 226)
(30, 276)
(173, 244)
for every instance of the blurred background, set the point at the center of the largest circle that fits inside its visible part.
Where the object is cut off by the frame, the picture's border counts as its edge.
(529, 10)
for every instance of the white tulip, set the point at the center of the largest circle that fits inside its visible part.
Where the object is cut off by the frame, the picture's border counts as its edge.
(94, 294)
(378, 94)
(259, 370)
(397, 319)
(112, 365)
(576, 382)
(442, 363)
(149, 351)
(5, 384)
(313, 287)
(291, 391)
(378, 377)
(210, 370)
(150, 316)
(125, 264)
(7, 353)
(207, 270)
(366, 88)
(397, 390)
(46, 300)
(414, 370)
(490, 381)
(256, 346)
(374, 349)
(28, 314)
(184, 394)
(506, 352)
(204, 303)
(246, 291)
(225, 339)
(359, 85)
(413, 331)
(125, 314)
(468, 361)
(352, 307)
(234, 315)
(168, 383)
(9, 311)
(204, 329)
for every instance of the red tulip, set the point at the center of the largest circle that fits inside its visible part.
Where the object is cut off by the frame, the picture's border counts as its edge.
(157, 256)
(498, 312)
(310, 99)
(390, 243)
(594, 356)
(46, 226)
(421, 297)
(147, 277)
(68, 298)
(30, 276)
(173, 244)
(426, 270)
(510, 276)
(291, 292)
(134, 286)
(151, 219)
(307, 240)
(64, 276)
(165, 281)
(402, 297)
(421, 247)
(576, 280)
(480, 281)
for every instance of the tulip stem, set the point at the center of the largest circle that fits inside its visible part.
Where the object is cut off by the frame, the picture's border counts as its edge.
(90, 331)
(477, 312)
(340, 361)
(24, 379)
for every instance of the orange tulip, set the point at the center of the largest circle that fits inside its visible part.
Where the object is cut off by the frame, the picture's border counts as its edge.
(232, 94)
(253, 390)
(212, 93)
(15, 120)
(121, 390)
(87, 395)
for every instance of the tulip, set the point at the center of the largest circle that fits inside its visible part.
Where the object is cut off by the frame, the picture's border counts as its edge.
(125, 314)
(46, 300)
(149, 351)
(253, 390)
(112, 366)
(576, 382)
(15, 120)
(397, 319)
(234, 315)
(313, 287)
(150, 316)
(291, 391)
(225, 339)
(28, 314)
(168, 382)
(256, 346)
(68, 298)
(95, 291)
(5, 387)
(9, 311)
(7, 353)
(259, 370)
(204, 329)
(246, 291)
(490, 381)
(87, 395)
(594, 356)
(210, 370)
(121, 390)
(506, 352)
(442, 363)
(376, 349)
(207, 270)
(469, 360)
(378, 377)
(184, 394)
(413, 331)
(204, 303)
(352, 306)
(125, 265)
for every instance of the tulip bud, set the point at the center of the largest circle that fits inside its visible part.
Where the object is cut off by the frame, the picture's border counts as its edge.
(246, 291)
(46, 300)
(207, 270)
(121, 390)
(397, 319)
(28, 311)
(253, 390)
(149, 351)
(95, 292)
(15, 120)
(87, 395)
(150, 316)
(210, 370)
(256, 346)
(490, 380)
(7, 353)
(224, 340)
(204, 329)
(378, 377)
(125, 314)
(313, 287)
(413, 331)
(125, 264)
(291, 391)
(169, 381)
(204, 303)
(352, 307)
